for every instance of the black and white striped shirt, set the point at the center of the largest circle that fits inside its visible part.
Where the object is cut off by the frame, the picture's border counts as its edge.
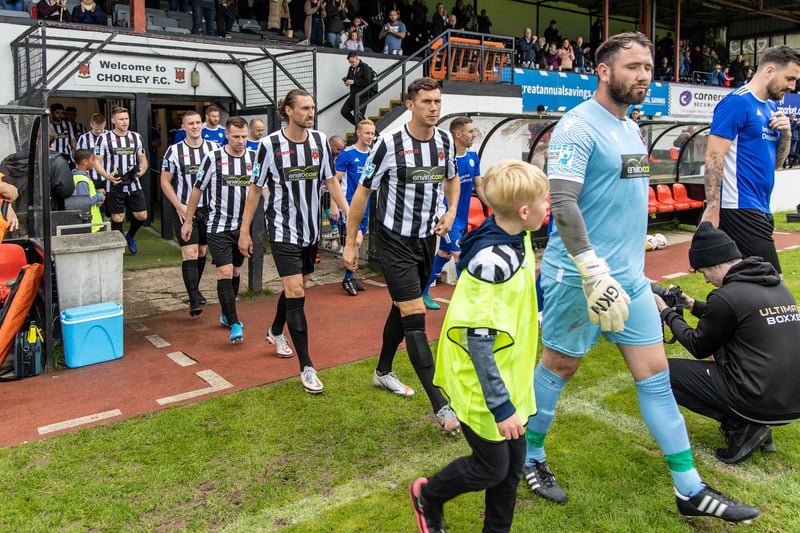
(88, 141)
(290, 174)
(119, 154)
(225, 180)
(64, 135)
(497, 263)
(409, 176)
(183, 162)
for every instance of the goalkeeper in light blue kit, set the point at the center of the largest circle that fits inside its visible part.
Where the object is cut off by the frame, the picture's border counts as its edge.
(593, 274)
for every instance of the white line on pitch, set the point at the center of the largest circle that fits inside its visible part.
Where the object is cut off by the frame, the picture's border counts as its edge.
(373, 282)
(75, 422)
(157, 341)
(181, 359)
(675, 275)
(137, 326)
(214, 380)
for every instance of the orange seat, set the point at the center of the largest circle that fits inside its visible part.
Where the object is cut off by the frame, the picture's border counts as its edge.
(12, 259)
(654, 206)
(476, 215)
(680, 195)
(664, 196)
(674, 153)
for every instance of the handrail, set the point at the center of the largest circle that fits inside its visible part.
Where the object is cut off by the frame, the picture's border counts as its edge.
(424, 55)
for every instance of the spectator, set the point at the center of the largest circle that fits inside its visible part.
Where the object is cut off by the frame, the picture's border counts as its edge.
(663, 71)
(794, 150)
(394, 31)
(87, 12)
(716, 77)
(552, 58)
(580, 51)
(419, 17)
(182, 4)
(686, 61)
(278, 19)
(204, 10)
(540, 53)
(566, 56)
(727, 79)
(225, 15)
(314, 24)
(552, 34)
(470, 19)
(439, 19)
(297, 18)
(53, 11)
(359, 75)
(740, 75)
(452, 23)
(525, 52)
(336, 13)
(354, 42)
(752, 352)
(484, 23)
(458, 11)
(254, 134)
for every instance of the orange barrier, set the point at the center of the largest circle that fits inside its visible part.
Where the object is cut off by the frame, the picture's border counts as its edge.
(465, 62)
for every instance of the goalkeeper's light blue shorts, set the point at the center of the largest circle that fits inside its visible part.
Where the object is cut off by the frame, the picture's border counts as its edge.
(566, 327)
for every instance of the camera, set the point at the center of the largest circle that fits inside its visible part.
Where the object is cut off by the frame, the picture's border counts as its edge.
(671, 296)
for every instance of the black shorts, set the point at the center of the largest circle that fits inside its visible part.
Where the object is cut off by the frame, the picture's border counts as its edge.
(224, 248)
(751, 230)
(198, 227)
(406, 263)
(117, 201)
(292, 259)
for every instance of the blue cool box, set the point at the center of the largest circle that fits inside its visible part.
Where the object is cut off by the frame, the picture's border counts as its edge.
(92, 334)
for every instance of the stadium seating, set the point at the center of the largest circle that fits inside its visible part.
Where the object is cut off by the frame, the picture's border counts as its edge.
(664, 196)
(659, 206)
(680, 195)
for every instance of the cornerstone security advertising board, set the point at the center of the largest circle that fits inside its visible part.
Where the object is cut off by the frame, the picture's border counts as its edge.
(694, 101)
(108, 73)
(561, 91)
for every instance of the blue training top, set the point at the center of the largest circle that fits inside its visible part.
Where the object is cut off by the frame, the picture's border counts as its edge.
(351, 161)
(469, 168)
(606, 155)
(748, 175)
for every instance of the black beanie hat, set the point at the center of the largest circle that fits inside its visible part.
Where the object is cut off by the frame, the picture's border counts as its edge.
(711, 247)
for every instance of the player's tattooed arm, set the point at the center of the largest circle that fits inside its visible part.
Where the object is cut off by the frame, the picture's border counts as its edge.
(715, 163)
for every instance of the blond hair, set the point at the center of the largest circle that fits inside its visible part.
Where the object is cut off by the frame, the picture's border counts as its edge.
(511, 183)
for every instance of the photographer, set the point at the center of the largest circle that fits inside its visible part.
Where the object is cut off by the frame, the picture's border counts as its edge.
(751, 327)
(359, 75)
(53, 10)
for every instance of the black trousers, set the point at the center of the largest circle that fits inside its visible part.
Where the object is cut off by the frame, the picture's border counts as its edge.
(693, 389)
(494, 466)
(349, 106)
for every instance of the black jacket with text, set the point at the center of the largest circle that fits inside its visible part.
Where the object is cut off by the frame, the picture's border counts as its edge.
(751, 326)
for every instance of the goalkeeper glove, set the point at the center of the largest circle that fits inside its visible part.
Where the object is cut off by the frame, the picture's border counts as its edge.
(606, 300)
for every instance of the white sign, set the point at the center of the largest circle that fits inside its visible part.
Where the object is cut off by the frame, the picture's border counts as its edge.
(694, 101)
(134, 73)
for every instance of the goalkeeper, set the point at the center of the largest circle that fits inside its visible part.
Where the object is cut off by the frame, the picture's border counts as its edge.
(593, 274)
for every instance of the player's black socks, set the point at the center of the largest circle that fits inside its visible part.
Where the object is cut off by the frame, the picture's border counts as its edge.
(280, 315)
(419, 352)
(190, 279)
(227, 300)
(235, 282)
(201, 265)
(135, 225)
(298, 329)
(117, 226)
(393, 335)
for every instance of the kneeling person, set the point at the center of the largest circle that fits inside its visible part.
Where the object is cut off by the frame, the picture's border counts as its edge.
(750, 325)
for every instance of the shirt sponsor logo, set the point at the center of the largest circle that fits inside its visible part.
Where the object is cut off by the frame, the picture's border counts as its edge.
(561, 154)
(236, 180)
(635, 166)
(124, 150)
(402, 153)
(421, 175)
(301, 173)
